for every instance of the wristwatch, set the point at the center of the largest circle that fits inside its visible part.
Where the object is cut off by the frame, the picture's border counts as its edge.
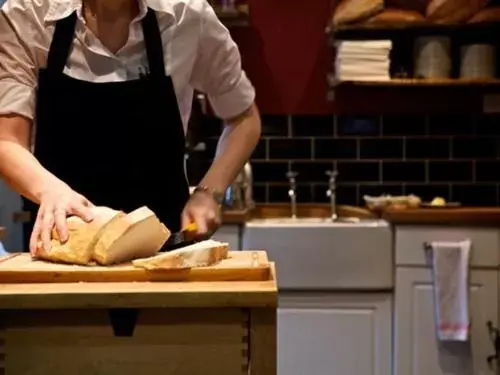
(216, 195)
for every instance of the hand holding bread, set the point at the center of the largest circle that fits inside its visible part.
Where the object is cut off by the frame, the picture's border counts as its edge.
(56, 203)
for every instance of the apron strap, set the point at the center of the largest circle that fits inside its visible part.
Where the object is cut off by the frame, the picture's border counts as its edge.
(154, 44)
(61, 43)
(64, 35)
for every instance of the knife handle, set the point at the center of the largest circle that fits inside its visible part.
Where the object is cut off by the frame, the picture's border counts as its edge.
(192, 227)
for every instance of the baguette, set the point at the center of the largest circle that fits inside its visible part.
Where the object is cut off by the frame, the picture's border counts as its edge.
(354, 11)
(139, 234)
(448, 12)
(487, 15)
(82, 238)
(201, 254)
(391, 17)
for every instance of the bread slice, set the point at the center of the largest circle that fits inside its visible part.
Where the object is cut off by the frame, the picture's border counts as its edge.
(201, 254)
(82, 238)
(139, 234)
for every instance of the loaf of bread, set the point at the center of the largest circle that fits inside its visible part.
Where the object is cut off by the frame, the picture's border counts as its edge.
(418, 6)
(391, 17)
(356, 11)
(82, 238)
(486, 15)
(453, 11)
(201, 254)
(139, 234)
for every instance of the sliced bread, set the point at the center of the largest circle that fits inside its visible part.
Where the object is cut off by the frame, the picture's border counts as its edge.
(139, 234)
(201, 254)
(83, 236)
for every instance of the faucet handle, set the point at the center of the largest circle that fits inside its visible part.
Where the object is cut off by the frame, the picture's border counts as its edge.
(291, 175)
(333, 175)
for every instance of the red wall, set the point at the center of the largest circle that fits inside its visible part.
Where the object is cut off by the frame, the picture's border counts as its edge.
(285, 54)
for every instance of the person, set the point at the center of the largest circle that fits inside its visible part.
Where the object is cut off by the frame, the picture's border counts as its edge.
(95, 97)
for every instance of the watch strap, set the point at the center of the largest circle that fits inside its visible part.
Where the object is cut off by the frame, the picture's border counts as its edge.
(216, 195)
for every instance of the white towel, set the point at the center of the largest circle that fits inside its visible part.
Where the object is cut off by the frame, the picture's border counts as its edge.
(450, 272)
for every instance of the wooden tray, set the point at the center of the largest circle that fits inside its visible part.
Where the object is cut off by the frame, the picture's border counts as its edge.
(239, 266)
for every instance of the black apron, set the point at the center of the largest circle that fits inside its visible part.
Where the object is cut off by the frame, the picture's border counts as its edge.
(120, 144)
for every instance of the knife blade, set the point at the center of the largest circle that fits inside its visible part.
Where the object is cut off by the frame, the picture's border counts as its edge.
(182, 238)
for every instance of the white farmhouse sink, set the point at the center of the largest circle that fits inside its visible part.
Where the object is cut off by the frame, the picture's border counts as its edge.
(318, 254)
(315, 222)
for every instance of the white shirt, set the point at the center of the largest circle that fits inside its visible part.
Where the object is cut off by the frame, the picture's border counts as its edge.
(199, 54)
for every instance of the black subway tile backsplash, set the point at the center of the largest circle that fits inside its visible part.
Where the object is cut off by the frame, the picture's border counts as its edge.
(428, 148)
(475, 147)
(290, 148)
(455, 157)
(381, 148)
(358, 126)
(275, 125)
(451, 125)
(458, 171)
(358, 171)
(313, 126)
(404, 125)
(476, 194)
(335, 148)
(404, 171)
(312, 171)
(487, 170)
(269, 171)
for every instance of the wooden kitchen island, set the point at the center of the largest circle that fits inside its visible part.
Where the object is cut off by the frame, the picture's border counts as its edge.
(133, 328)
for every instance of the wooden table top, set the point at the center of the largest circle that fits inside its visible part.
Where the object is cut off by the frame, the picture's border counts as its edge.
(140, 294)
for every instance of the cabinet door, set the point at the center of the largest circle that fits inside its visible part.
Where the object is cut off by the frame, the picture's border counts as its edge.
(229, 234)
(334, 334)
(417, 351)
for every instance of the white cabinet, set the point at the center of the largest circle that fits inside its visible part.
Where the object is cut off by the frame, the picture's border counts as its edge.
(416, 350)
(334, 334)
(230, 233)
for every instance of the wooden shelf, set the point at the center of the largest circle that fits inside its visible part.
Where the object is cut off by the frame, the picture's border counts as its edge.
(231, 19)
(409, 82)
(374, 31)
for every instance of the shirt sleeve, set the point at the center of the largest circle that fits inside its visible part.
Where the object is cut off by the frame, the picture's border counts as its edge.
(17, 66)
(217, 71)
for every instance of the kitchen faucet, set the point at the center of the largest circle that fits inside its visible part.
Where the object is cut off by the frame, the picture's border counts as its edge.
(332, 193)
(292, 192)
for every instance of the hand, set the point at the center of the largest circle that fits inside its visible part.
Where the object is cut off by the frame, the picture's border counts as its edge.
(203, 210)
(58, 202)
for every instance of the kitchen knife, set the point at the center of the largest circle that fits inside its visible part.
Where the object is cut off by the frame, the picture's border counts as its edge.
(180, 239)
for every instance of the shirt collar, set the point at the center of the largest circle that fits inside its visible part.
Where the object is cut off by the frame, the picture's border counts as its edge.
(60, 9)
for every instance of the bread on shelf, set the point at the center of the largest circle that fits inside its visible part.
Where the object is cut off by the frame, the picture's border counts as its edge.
(486, 15)
(356, 11)
(450, 12)
(396, 17)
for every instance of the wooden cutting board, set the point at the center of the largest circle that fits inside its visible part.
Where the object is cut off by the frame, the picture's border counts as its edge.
(239, 266)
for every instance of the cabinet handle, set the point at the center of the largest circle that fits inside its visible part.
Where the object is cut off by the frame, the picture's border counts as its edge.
(494, 334)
